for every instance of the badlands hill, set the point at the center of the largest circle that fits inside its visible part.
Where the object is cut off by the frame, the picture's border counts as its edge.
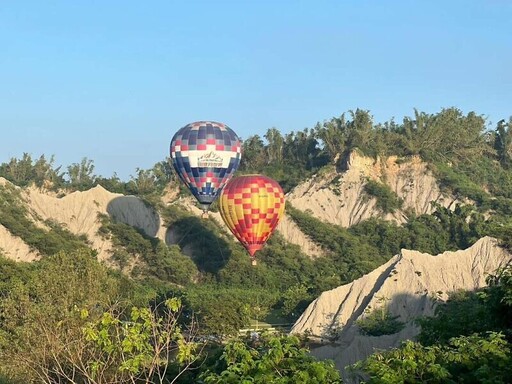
(407, 286)
(338, 196)
(79, 213)
(334, 196)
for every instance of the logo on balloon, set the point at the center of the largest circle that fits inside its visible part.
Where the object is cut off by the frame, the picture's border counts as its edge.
(210, 159)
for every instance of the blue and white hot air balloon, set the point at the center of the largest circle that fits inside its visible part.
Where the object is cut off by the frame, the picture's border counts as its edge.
(205, 154)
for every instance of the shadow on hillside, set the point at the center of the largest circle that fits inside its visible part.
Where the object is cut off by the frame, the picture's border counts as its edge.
(209, 252)
(389, 320)
(406, 308)
(133, 211)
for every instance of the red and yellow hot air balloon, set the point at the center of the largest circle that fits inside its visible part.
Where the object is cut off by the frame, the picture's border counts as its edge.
(251, 207)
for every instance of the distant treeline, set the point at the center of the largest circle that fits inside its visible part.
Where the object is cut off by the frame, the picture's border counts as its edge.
(448, 139)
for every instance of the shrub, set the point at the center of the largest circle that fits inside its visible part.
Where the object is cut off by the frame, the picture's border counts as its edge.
(387, 200)
(379, 322)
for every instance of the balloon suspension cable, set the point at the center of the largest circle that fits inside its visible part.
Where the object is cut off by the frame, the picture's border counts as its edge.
(184, 236)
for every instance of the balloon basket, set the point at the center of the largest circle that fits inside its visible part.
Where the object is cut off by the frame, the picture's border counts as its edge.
(204, 215)
(254, 262)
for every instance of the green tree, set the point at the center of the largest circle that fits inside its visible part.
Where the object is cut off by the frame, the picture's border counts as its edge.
(19, 171)
(446, 136)
(132, 348)
(275, 146)
(301, 148)
(387, 199)
(379, 322)
(164, 173)
(112, 184)
(503, 142)
(466, 359)
(333, 133)
(360, 131)
(254, 157)
(144, 183)
(222, 311)
(81, 175)
(69, 319)
(270, 359)
(295, 300)
(45, 304)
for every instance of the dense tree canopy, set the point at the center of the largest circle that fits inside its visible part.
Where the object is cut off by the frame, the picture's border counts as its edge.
(221, 292)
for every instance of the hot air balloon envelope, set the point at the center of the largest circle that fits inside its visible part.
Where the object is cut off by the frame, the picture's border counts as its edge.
(251, 207)
(205, 154)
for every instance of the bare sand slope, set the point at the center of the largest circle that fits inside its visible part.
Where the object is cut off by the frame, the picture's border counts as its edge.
(339, 197)
(15, 248)
(79, 212)
(408, 285)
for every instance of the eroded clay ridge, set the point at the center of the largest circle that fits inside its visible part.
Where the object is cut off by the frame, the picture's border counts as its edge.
(78, 212)
(339, 197)
(409, 286)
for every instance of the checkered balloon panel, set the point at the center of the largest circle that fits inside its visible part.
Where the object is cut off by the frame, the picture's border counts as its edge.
(205, 154)
(251, 207)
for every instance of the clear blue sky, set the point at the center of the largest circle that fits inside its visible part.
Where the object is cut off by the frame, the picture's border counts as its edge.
(113, 80)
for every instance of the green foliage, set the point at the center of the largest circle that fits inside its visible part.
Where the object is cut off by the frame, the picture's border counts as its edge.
(412, 363)
(463, 314)
(223, 311)
(466, 359)
(81, 176)
(288, 160)
(379, 322)
(350, 256)
(445, 136)
(15, 217)
(485, 182)
(503, 142)
(488, 309)
(210, 249)
(372, 242)
(24, 171)
(165, 263)
(387, 199)
(59, 322)
(39, 309)
(295, 300)
(140, 345)
(278, 359)
(340, 135)
(150, 183)
(460, 184)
